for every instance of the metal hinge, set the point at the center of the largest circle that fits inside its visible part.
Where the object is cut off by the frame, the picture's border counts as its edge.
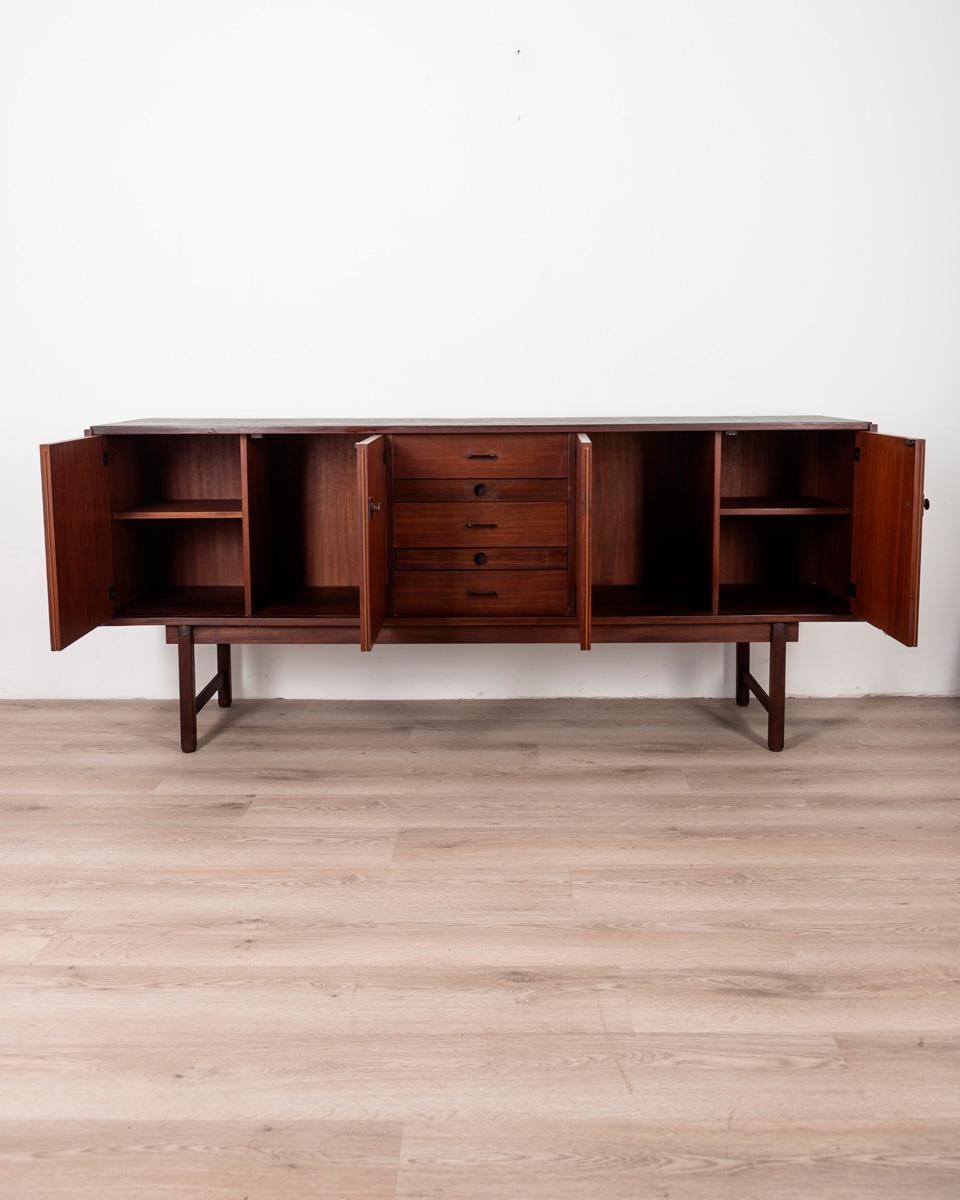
(729, 433)
(853, 589)
(911, 442)
(856, 454)
(106, 458)
(111, 593)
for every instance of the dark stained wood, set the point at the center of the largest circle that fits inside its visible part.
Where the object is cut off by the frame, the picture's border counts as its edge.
(489, 558)
(481, 593)
(775, 602)
(480, 454)
(258, 530)
(777, 695)
(725, 530)
(754, 687)
(371, 501)
(180, 604)
(583, 538)
(715, 472)
(78, 538)
(188, 689)
(617, 508)
(472, 489)
(487, 630)
(159, 425)
(888, 518)
(180, 510)
(743, 670)
(224, 675)
(780, 506)
(482, 524)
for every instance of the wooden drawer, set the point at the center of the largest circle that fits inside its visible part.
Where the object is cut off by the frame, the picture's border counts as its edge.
(456, 456)
(474, 488)
(494, 558)
(480, 524)
(480, 593)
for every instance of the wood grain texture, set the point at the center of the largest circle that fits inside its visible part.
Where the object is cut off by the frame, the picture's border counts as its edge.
(544, 950)
(479, 593)
(77, 538)
(494, 523)
(888, 519)
(159, 425)
(479, 453)
(583, 539)
(371, 503)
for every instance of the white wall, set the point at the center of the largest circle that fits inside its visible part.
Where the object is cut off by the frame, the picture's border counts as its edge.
(245, 207)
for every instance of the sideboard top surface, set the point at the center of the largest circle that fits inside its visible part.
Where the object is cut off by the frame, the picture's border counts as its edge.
(147, 425)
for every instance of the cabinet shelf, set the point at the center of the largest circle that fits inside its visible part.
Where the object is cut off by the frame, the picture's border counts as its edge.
(793, 600)
(623, 603)
(780, 506)
(176, 603)
(315, 602)
(179, 510)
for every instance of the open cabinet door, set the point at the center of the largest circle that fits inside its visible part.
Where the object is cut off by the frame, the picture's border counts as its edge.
(372, 496)
(887, 516)
(78, 536)
(584, 480)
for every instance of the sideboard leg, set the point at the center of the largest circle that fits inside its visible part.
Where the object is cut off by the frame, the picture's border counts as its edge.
(188, 689)
(743, 670)
(225, 675)
(778, 683)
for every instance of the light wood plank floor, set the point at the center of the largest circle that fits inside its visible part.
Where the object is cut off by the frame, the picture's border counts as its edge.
(602, 950)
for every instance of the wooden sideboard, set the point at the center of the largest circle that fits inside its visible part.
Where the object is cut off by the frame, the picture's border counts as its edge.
(731, 529)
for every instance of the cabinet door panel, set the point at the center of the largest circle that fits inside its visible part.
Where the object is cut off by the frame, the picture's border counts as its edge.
(887, 517)
(372, 498)
(584, 535)
(77, 530)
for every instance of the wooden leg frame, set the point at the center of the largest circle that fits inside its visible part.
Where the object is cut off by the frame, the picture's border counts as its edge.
(774, 703)
(191, 701)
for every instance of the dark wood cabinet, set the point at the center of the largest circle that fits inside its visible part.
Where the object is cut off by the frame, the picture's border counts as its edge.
(731, 530)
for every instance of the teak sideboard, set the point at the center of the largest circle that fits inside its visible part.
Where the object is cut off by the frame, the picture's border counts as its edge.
(731, 529)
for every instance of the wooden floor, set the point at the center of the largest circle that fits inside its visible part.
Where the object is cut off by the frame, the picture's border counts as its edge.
(498, 950)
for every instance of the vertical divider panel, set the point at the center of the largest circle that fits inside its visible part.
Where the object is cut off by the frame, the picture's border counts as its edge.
(255, 512)
(715, 525)
(584, 536)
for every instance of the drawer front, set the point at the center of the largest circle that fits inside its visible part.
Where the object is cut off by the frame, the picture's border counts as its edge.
(494, 558)
(480, 593)
(458, 456)
(480, 524)
(475, 488)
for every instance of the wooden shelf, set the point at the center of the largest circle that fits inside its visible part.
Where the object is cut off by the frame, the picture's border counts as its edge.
(182, 603)
(315, 602)
(181, 510)
(626, 602)
(780, 506)
(780, 600)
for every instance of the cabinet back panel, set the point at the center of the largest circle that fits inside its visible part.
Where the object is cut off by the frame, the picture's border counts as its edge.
(617, 508)
(176, 467)
(787, 550)
(793, 463)
(165, 554)
(653, 511)
(309, 503)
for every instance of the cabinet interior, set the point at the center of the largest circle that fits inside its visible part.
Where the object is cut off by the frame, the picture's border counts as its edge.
(652, 522)
(683, 523)
(177, 525)
(304, 525)
(743, 523)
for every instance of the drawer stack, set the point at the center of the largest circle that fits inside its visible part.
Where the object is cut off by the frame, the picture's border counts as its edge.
(481, 525)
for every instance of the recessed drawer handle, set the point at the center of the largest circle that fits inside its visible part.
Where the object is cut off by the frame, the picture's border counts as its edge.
(481, 595)
(485, 455)
(480, 525)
